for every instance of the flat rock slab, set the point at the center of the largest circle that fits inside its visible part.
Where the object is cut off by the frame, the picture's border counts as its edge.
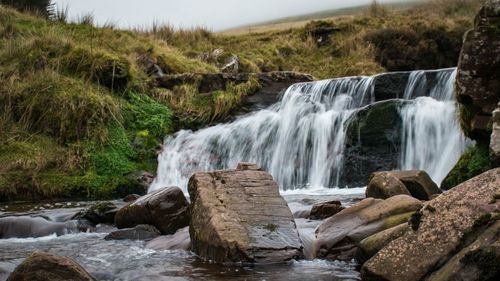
(437, 232)
(239, 216)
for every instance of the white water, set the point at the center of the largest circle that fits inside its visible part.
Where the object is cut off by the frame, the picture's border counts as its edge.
(432, 138)
(300, 140)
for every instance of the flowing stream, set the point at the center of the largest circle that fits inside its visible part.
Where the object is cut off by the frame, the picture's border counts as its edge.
(301, 139)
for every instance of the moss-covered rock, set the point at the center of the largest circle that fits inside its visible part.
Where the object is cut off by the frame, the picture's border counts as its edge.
(472, 163)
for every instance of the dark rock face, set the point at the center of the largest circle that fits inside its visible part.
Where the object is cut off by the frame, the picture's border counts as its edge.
(445, 226)
(46, 267)
(26, 227)
(140, 232)
(495, 138)
(415, 183)
(138, 183)
(167, 209)
(99, 213)
(131, 198)
(272, 84)
(373, 141)
(177, 241)
(337, 237)
(239, 216)
(478, 78)
(325, 210)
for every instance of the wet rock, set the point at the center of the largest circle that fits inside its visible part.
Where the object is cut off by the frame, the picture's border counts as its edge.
(167, 209)
(478, 78)
(438, 231)
(103, 212)
(325, 210)
(138, 183)
(337, 237)
(140, 232)
(384, 185)
(415, 183)
(26, 227)
(495, 139)
(369, 246)
(131, 198)
(239, 216)
(477, 262)
(177, 241)
(373, 142)
(46, 267)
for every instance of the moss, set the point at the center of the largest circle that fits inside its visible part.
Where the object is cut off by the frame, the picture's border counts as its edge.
(486, 260)
(415, 220)
(473, 162)
(271, 227)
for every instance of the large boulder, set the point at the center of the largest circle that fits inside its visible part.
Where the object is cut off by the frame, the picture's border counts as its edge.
(140, 232)
(373, 141)
(415, 183)
(338, 236)
(239, 216)
(46, 267)
(167, 209)
(442, 228)
(478, 78)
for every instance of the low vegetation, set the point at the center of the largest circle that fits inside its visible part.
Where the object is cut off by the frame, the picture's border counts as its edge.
(80, 109)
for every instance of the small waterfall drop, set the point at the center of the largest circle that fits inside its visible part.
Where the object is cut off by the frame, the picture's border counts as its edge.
(300, 140)
(432, 138)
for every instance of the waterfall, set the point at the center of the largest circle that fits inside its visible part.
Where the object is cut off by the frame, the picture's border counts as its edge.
(432, 138)
(300, 140)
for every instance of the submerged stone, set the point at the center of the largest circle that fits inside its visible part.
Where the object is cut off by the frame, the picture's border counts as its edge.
(239, 216)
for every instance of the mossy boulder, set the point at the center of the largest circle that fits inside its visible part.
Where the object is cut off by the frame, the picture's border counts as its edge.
(369, 246)
(373, 141)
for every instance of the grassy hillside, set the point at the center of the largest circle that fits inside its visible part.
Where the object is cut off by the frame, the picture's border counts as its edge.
(79, 108)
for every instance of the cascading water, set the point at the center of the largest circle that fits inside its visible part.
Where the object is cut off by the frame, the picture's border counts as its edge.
(432, 138)
(301, 139)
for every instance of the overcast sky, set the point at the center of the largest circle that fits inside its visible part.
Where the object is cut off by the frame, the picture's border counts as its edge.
(213, 14)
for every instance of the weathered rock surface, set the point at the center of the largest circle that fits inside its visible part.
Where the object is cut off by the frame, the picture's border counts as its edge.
(478, 78)
(415, 183)
(138, 183)
(103, 212)
(480, 261)
(46, 267)
(495, 139)
(167, 209)
(369, 246)
(325, 210)
(27, 227)
(178, 241)
(338, 236)
(140, 232)
(239, 216)
(373, 141)
(437, 232)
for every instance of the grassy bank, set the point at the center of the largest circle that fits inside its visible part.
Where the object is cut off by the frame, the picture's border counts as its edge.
(79, 106)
